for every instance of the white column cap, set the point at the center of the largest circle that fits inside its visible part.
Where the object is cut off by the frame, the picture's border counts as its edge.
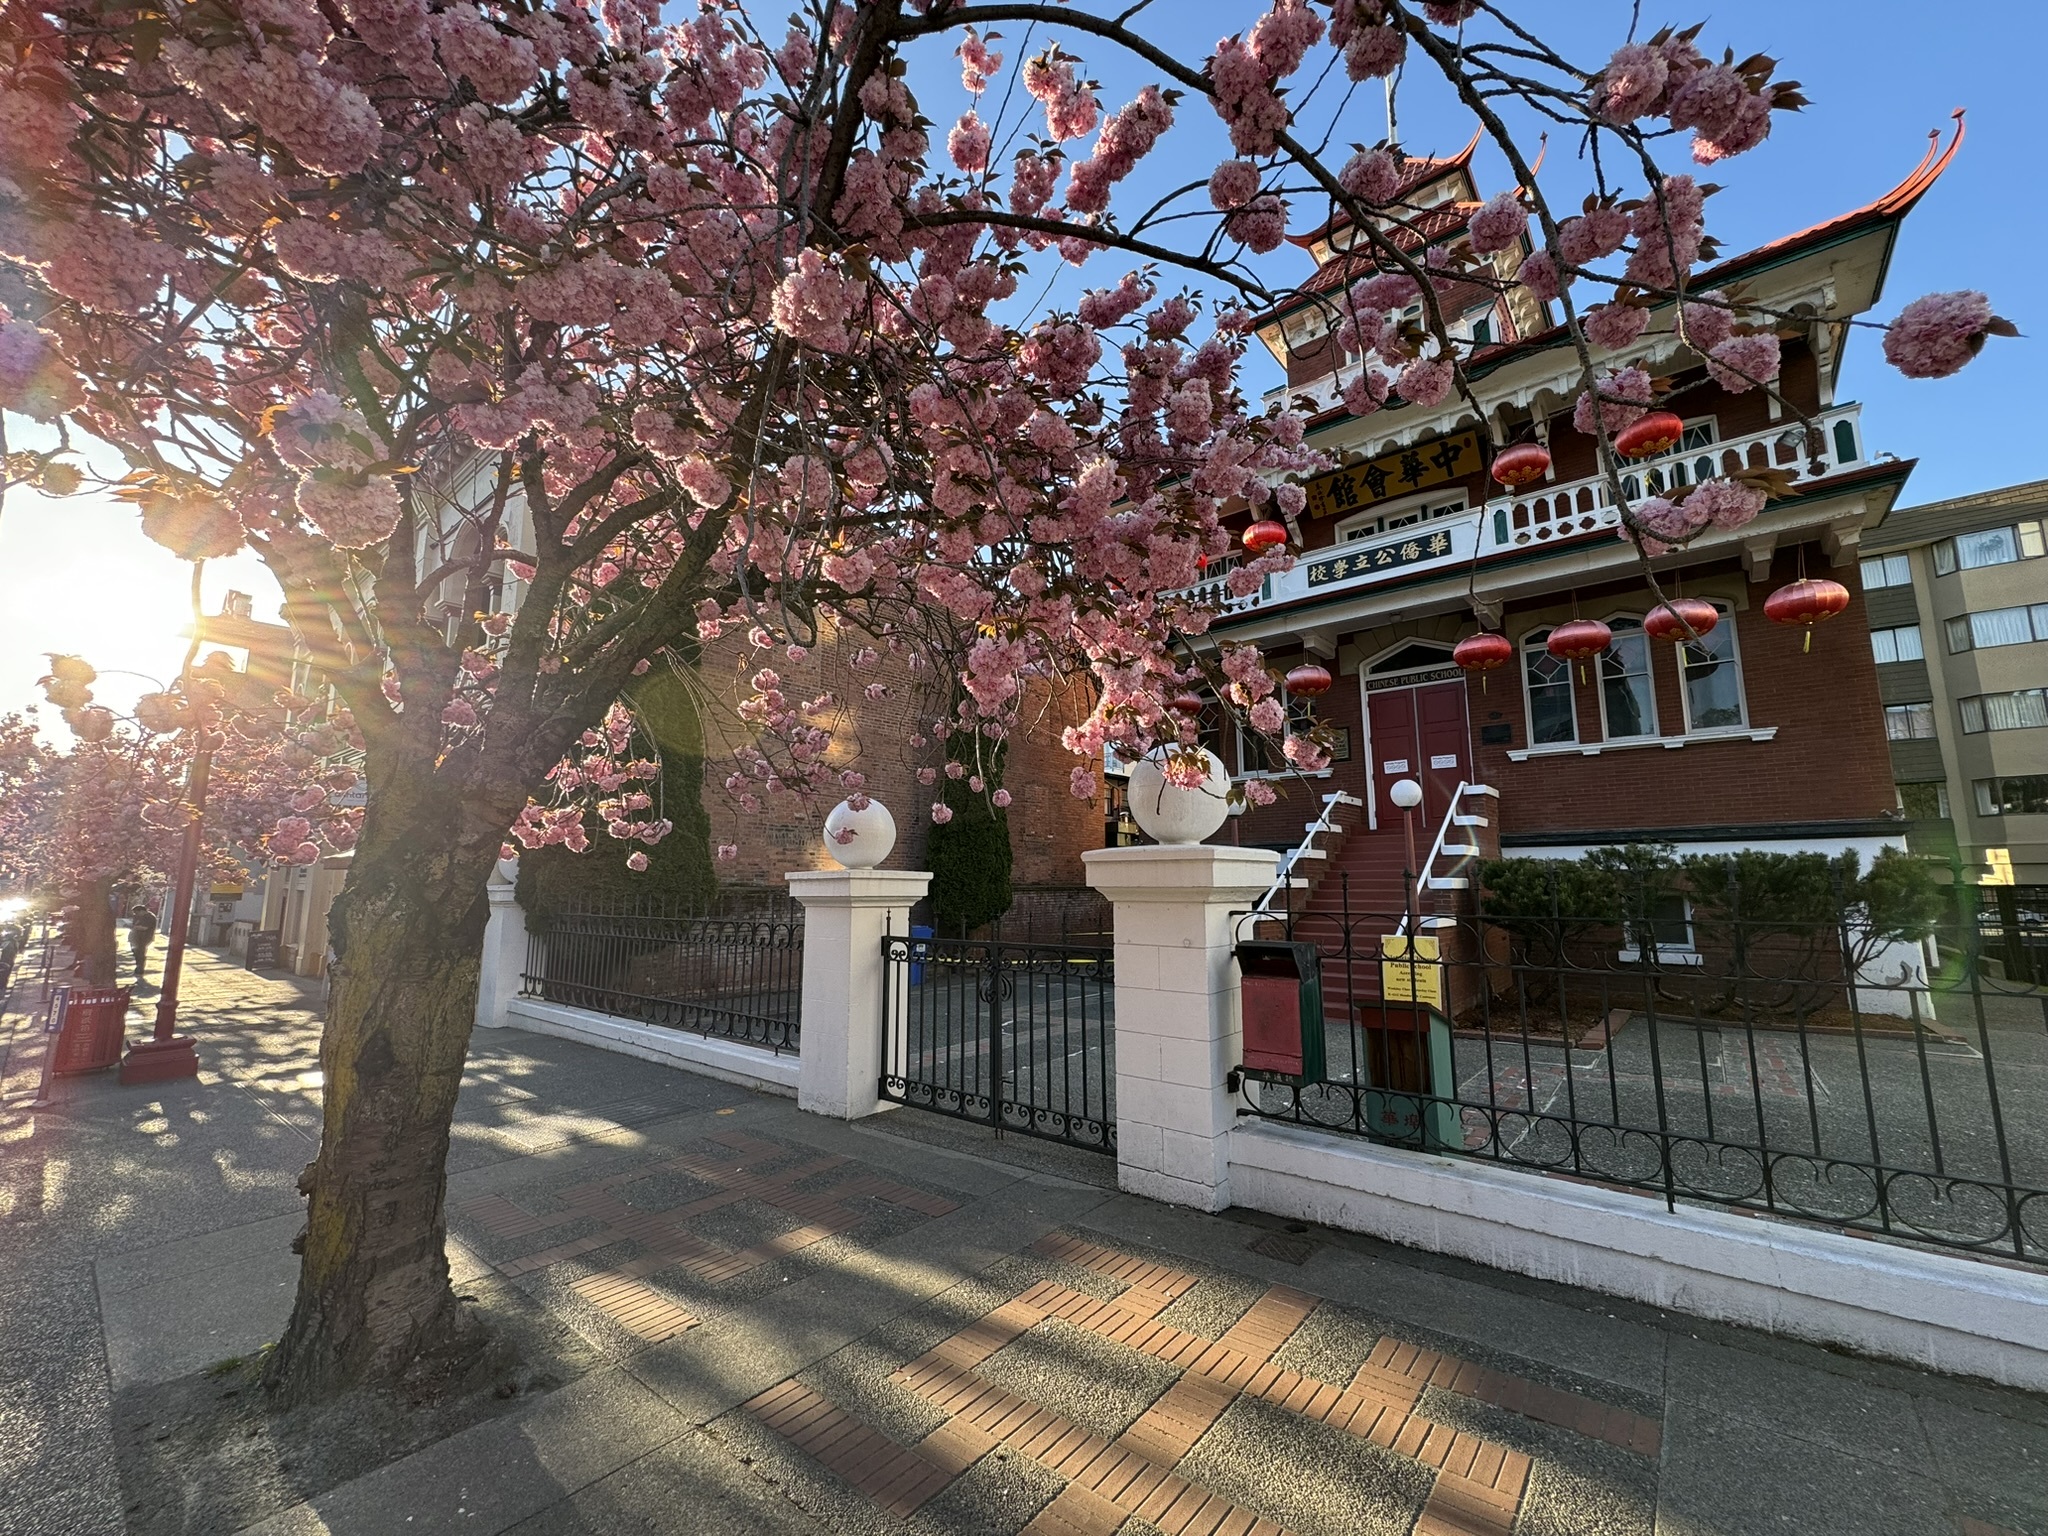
(858, 887)
(1182, 873)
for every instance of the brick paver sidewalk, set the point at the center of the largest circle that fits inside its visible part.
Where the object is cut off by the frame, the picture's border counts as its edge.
(804, 1327)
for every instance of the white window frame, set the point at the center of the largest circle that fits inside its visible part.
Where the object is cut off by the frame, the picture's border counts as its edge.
(1533, 644)
(1669, 954)
(1885, 569)
(1727, 626)
(1890, 635)
(1649, 675)
(1933, 725)
(1364, 525)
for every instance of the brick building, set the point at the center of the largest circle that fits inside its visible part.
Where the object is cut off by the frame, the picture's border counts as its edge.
(1745, 740)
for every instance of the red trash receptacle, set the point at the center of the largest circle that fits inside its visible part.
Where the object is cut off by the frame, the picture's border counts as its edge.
(95, 1029)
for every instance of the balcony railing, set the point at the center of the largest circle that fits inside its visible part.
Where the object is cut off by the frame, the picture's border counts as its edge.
(1552, 513)
(1543, 516)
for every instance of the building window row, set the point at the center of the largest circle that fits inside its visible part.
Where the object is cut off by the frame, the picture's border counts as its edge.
(1989, 546)
(1710, 685)
(1887, 571)
(1899, 644)
(2024, 794)
(2014, 711)
(1998, 626)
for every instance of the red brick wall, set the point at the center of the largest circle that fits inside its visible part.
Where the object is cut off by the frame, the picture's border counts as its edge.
(1301, 800)
(1828, 762)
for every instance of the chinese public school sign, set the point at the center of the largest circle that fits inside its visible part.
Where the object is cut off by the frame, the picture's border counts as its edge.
(1348, 563)
(1395, 474)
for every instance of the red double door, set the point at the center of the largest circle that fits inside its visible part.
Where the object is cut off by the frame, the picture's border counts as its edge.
(1418, 733)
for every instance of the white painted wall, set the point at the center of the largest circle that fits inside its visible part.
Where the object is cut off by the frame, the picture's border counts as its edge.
(1942, 1313)
(727, 1060)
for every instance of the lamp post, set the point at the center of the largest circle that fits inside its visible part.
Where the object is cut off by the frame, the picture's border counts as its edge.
(1407, 794)
(168, 1054)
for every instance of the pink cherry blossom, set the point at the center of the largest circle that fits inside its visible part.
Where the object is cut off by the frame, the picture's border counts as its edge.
(1671, 524)
(1726, 503)
(968, 144)
(1371, 176)
(1427, 381)
(1499, 224)
(1233, 184)
(636, 861)
(1707, 325)
(1743, 362)
(1260, 224)
(1624, 394)
(1538, 273)
(1934, 336)
(1585, 238)
(1613, 326)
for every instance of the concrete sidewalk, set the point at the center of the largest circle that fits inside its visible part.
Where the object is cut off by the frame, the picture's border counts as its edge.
(773, 1323)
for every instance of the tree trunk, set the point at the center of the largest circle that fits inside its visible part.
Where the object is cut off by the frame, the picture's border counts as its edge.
(373, 1298)
(89, 933)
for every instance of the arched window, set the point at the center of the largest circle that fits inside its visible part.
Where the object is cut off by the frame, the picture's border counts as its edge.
(1547, 691)
(1710, 672)
(1628, 697)
(1845, 442)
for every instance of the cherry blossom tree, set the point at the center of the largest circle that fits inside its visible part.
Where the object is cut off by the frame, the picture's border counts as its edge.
(699, 309)
(109, 815)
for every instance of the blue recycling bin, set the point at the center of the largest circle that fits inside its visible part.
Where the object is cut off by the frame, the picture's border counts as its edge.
(918, 952)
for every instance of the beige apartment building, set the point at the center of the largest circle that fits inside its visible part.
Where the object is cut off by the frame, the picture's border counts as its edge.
(1958, 608)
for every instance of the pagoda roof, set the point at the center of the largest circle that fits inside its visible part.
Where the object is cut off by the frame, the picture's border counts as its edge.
(1418, 172)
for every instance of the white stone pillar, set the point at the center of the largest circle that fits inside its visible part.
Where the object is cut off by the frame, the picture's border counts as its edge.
(846, 912)
(505, 947)
(1178, 1030)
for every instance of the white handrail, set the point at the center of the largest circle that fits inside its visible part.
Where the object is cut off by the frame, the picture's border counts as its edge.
(1422, 875)
(1326, 822)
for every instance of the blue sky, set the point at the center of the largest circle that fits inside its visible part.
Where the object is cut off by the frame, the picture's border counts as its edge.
(80, 576)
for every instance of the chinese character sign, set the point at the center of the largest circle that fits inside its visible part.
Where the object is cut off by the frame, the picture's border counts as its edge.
(1349, 562)
(1394, 474)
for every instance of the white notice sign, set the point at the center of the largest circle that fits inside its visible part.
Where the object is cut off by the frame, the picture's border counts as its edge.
(1444, 760)
(1394, 765)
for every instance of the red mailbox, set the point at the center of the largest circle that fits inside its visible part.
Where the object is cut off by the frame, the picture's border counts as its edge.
(1282, 1006)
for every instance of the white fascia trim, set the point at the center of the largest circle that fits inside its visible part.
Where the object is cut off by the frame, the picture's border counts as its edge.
(751, 1066)
(1935, 1311)
(1594, 749)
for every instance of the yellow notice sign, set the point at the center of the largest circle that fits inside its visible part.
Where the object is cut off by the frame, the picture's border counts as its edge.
(1997, 867)
(1411, 971)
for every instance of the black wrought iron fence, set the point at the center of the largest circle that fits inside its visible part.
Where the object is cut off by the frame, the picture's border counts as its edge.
(1816, 1070)
(737, 977)
(1018, 1036)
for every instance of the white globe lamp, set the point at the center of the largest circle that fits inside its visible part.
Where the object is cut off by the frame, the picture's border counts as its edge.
(859, 839)
(1405, 793)
(1177, 814)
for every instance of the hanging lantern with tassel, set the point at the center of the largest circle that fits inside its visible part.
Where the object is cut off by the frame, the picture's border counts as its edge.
(1806, 602)
(1483, 652)
(1670, 621)
(1579, 640)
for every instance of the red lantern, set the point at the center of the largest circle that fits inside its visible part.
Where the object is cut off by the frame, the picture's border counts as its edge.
(1264, 535)
(1308, 681)
(1806, 602)
(1669, 621)
(1483, 652)
(1189, 704)
(1520, 463)
(1648, 436)
(1579, 639)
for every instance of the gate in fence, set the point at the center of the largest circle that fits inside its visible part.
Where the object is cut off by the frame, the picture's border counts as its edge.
(1021, 1037)
(737, 977)
(1811, 1070)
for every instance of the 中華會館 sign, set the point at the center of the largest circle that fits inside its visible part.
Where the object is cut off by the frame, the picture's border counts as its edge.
(1393, 475)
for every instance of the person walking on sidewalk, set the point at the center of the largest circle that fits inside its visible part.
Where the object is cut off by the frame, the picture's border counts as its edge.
(141, 934)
